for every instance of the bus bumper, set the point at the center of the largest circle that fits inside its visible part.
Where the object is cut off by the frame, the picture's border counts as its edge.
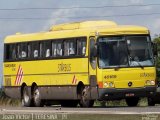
(117, 94)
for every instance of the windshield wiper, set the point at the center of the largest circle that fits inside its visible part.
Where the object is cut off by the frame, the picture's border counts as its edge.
(140, 65)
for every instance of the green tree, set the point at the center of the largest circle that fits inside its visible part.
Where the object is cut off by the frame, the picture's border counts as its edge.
(156, 38)
(157, 41)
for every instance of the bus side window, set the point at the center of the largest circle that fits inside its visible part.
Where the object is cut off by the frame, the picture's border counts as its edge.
(35, 49)
(45, 49)
(10, 52)
(13, 52)
(23, 50)
(29, 50)
(81, 46)
(48, 53)
(59, 49)
(18, 52)
(69, 47)
(72, 48)
(35, 53)
(54, 49)
(66, 48)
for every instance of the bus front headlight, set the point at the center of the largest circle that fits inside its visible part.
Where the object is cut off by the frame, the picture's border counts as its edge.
(105, 84)
(108, 84)
(150, 82)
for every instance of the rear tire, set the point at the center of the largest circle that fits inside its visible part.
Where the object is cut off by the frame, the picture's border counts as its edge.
(26, 99)
(132, 102)
(84, 101)
(37, 97)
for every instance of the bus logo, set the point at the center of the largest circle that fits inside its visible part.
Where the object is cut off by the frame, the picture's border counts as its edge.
(130, 84)
(19, 76)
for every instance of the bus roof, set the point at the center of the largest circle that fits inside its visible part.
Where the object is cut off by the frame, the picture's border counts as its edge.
(79, 29)
(82, 25)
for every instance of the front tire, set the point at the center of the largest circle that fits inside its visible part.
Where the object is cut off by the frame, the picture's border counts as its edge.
(132, 102)
(84, 100)
(151, 102)
(37, 97)
(26, 99)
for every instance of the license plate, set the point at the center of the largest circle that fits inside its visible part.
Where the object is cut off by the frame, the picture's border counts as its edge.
(129, 94)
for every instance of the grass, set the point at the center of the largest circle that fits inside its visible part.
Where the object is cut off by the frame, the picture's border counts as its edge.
(142, 102)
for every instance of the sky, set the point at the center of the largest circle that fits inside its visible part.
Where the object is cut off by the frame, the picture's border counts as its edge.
(28, 16)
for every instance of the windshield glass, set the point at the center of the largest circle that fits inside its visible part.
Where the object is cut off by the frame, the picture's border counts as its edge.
(112, 52)
(139, 51)
(124, 51)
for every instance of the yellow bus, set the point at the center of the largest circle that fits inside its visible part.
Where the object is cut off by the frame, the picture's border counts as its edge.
(79, 63)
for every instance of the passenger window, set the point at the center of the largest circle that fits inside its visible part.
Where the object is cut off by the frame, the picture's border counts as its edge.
(29, 50)
(66, 48)
(10, 52)
(57, 49)
(35, 46)
(35, 53)
(54, 49)
(23, 50)
(45, 49)
(81, 46)
(69, 47)
(13, 52)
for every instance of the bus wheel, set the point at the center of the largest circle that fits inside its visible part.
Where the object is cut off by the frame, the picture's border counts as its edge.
(84, 101)
(69, 103)
(36, 97)
(26, 99)
(151, 102)
(132, 101)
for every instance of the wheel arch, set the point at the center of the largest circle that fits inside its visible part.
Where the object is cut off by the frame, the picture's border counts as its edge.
(32, 87)
(22, 87)
(79, 87)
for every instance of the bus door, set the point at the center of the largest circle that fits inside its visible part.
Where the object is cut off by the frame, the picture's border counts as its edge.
(92, 68)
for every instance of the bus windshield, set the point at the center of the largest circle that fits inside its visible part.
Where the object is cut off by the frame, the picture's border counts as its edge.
(124, 51)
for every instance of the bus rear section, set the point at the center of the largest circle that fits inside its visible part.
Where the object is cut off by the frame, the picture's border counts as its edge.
(125, 68)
